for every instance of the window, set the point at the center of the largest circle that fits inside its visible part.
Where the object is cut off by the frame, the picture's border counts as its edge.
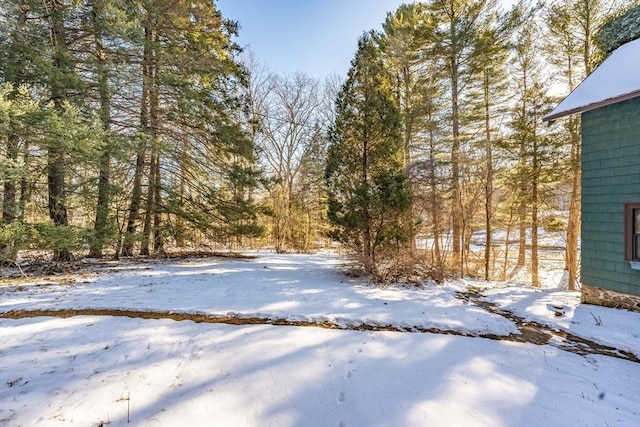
(632, 232)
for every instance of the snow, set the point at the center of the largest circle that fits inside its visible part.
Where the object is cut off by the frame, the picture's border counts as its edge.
(99, 370)
(616, 78)
(617, 328)
(291, 287)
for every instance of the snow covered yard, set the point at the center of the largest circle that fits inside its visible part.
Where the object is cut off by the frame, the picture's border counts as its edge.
(99, 370)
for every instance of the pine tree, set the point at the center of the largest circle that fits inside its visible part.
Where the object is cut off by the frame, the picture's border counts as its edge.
(572, 49)
(367, 189)
(101, 29)
(15, 43)
(539, 152)
(618, 29)
(17, 113)
(41, 58)
(190, 119)
(405, 34)
(458, 26)
(140, 103)
(492, 42)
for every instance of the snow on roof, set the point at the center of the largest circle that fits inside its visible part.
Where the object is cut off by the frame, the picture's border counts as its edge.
(615, 80)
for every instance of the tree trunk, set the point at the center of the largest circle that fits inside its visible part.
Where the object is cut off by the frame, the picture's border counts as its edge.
(136, 192)
(507, 246)
(408, 138)
(158, 240)
(148, 214)
(534, 211)
(435, 206)
(369, 258)
(522, 231)
(573, 225)
(57, 206)
(102, 205)
(488, 187)
(368, 253)
(55, 153)
(136, 196)
(154, 116)
(179, 221)
(456, 207)
(279, 222)
(522, 196)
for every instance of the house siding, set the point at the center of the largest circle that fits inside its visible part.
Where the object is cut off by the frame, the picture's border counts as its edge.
(610, 177)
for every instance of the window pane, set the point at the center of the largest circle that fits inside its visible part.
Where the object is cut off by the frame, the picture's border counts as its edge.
(636, 221)
(636, 248)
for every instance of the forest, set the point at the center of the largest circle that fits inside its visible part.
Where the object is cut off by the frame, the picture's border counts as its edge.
(141, 128)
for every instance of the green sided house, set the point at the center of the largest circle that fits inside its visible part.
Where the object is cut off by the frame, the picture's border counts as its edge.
(609, 102)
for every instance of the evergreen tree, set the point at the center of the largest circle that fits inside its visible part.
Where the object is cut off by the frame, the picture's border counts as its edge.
(458, 24)
(539, 152)
(617, 30)
(492, 44)
(13, 43)
(43, 52)
(190, 120)
(572, 49)
(406, 33)
(367, 189)
(102, 26)
(160, 85)
(17, 112)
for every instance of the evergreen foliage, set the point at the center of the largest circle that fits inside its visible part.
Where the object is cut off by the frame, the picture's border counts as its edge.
(141, 130)
(618, 30)
(368, 190)
(132, 127)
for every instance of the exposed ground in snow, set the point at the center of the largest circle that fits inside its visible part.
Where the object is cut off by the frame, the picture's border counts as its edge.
(92, 370)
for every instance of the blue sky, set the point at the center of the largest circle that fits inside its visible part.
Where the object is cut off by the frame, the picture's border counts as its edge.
(317, 37)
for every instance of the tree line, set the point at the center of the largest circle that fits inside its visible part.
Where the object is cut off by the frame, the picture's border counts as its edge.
(125, 123)
(438, 135)
(137, 126)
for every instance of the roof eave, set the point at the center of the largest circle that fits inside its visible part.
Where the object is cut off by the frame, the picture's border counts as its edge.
(554, 116)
